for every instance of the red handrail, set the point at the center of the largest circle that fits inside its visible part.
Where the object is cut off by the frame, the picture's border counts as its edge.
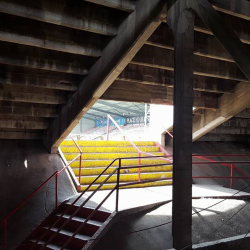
(35, 191)
(133, 183)
(223, 163)
(80, 162)
(56, 174)
(78, 198)
(131, 142)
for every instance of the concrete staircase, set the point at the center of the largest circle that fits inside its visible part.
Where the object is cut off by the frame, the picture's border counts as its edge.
(45, 236)
(99, 154)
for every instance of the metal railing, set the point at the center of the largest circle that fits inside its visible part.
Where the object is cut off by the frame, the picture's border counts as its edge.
(54, 175)
(109, 117)
(117, 172)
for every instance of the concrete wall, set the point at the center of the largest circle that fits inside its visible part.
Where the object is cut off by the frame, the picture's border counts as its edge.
(218, 170)
(24, 165)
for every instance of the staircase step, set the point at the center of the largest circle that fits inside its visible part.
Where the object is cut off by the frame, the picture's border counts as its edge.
(126, 177)
(81, 220)
(99, 170)
(73, 224)
(84, 212)
(61, 237)
(106, 143)
(122, 149)
(110, 186)
(103, 156)
(31, 243)
(49, 246)
(105, 163)
(69, 233)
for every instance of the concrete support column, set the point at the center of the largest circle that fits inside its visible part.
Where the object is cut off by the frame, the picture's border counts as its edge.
(183, 113)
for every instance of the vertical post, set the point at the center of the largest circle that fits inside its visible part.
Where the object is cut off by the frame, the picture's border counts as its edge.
(108, 121)
(80, 168)
(181, 21)
(139, 169)
(56, 181)
(117, 187)
(4, 234)
(231, 183)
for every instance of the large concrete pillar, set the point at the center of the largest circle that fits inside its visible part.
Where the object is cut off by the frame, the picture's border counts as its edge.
(183, 26)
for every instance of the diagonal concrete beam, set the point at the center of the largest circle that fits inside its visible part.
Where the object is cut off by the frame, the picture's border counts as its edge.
(229, 105)
(223, 32)
(131, 35)
(238, 8)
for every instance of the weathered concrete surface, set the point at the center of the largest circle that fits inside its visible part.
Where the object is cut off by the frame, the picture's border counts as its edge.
(123, 235)
(24, 165)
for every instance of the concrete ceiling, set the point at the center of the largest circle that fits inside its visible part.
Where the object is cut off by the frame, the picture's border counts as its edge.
(59, 57)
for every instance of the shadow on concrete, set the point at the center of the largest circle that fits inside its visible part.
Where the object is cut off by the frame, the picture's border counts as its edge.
(25, 165)
(126, 234)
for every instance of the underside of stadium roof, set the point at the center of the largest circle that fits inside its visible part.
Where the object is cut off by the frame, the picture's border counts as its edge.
(102, 108)
(59, 57)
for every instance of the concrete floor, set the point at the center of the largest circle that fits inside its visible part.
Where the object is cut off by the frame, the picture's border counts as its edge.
(24, 165)
(122, 235)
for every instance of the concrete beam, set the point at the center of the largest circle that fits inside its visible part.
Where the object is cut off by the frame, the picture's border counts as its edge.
(164, 59)
(12, 74)
(160, 77)
(22, 56)
(27, 109)
(12, 135)
(75, 16)
(22, 122)
(37, 81)
(231, 130)
(236, 122)
(133, 92)
(18, 96)
(239, 27)
(131, 36)
(205, 45)
(124, 5)
(47, 36)
(223, 138)
(223, 32)
(229, 105)
(238, 8)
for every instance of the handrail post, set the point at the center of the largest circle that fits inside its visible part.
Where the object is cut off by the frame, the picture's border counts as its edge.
(139, 169)
(108, 122)
(80, 168)
(4, 233)
(231, 182)
(56, 182)
(117, 187)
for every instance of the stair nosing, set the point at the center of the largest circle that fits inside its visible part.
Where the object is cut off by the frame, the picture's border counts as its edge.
(68, 233)
(80, 219)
